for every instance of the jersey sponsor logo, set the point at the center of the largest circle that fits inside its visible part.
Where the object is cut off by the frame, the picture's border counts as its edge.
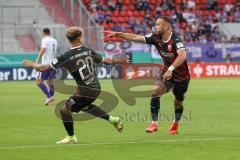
(179, 45)
(167, 54)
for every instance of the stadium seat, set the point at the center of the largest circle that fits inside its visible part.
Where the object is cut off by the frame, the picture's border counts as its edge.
(120, 19)
(135, 13)
(142, 13)
(126, 2)
(116, 13)
(123, 13)
(131, 7)
(129, 13)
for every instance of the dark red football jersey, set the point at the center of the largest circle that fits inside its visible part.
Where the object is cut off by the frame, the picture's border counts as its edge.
(168, 51)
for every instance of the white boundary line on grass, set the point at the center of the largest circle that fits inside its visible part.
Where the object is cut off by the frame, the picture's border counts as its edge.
(116, 143)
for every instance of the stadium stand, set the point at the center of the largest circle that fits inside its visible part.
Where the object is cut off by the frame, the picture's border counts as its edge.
(197, 19)
(18, 20)
(59, 15)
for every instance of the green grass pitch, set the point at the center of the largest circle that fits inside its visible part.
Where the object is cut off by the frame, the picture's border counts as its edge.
(210, 130)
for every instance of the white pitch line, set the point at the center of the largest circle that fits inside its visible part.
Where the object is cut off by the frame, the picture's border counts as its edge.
(116, 143)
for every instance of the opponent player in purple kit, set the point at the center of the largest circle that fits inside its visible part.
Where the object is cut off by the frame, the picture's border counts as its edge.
(81, 63)
(175, 74)
(46, 55)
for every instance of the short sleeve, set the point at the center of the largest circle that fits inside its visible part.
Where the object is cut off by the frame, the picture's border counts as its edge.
(44, 43)
(58, 62)
(97, 57)
(149, 38)
(178, 44)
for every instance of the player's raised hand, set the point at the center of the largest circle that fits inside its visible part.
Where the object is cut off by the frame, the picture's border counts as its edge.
(111, 33)
(28, 63)
(125, 59)
(121, 58)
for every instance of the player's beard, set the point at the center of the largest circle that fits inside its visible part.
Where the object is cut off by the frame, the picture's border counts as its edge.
(157, 32)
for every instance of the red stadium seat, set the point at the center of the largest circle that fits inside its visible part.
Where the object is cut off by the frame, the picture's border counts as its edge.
(125, 25)
(135, 13)
(142, 13)
(155, 2)
(123, 13)
(140, 18)
(129, 30)
(198, 2)
(126, 2)
(120, 19)
(114, 19)
(178, 1)
(127, 18)
(131, 7)
(111, 25)
(116, 13)
(212, 13)
(129, 13)
(206, 13)
(223, 1)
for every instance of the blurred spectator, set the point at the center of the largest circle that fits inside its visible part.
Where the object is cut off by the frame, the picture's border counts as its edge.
(165, 5)
(227, 8)
(93, 5)
(119, 5)
(194, 26)
(99, 6)
(138, 28)
(142, 5)
(212, 5)
(237, 15)
(228, 57)
(158, 11)
(215, 5)
(238, 4)
(191, 4)
(203, 39)
(146, 5)
(118, 27)
(111, 6)
(234, 39)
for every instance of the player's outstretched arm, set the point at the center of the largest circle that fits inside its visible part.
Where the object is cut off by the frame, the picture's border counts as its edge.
(38, 67)
(118, 59)
(126, 36)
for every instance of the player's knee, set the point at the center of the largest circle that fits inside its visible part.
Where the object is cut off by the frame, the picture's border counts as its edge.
(155, 104)
(177, 104)
(158, 91)
(64, 110)
(39, 81)
(50, 82)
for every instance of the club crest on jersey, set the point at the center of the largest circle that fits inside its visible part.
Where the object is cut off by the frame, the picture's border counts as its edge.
(169, 48)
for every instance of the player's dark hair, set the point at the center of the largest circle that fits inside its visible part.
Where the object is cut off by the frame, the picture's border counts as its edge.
(166, 19)
(73, 33)
(46, 31)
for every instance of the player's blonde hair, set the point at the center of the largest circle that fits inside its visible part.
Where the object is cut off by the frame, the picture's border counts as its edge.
(73, 33)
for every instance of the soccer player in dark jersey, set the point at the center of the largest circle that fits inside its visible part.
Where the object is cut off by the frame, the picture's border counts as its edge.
(175, 74)
(81, 62)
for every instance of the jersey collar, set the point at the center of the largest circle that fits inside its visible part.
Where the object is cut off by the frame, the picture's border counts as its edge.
(76, 47)
(168, 38)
